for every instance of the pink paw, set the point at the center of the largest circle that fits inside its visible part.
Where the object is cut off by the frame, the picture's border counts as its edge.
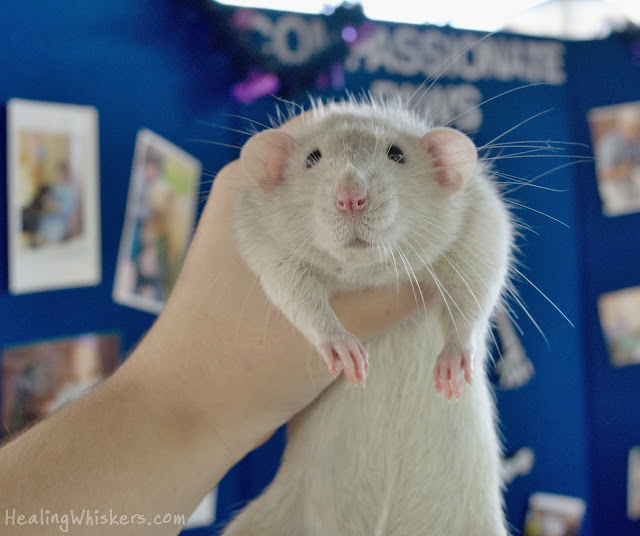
(446, 374)
(354, 357)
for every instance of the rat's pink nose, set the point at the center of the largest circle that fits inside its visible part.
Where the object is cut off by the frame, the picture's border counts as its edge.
(352, 200)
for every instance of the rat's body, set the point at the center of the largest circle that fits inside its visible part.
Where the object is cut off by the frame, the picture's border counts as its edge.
(344, 211)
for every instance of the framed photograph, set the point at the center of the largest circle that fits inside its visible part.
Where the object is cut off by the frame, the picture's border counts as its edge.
(40, 378)
(53, 196)
(633, 484)
(615, 134)
(554, 515)
(620, 319)
(159, 221)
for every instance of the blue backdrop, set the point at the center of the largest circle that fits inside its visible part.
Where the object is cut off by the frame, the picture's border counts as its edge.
(155, 67)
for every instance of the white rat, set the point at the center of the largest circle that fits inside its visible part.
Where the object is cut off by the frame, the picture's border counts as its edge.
(355, 195)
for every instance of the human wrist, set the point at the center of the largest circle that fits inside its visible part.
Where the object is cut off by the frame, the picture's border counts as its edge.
(184, 406)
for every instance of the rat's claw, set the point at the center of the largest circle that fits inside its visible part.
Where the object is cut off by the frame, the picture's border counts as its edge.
(363, 361)
(466, 367)
(447, 372)
(353, 355)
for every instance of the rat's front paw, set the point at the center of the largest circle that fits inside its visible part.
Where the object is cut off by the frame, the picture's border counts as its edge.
(350, 351)
(446, 374)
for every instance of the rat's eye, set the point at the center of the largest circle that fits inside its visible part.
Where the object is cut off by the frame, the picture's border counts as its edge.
(313, 158)
(395, 153)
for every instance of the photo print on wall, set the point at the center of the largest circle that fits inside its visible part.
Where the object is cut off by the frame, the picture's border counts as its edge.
(633, 484)
(620, 319)
(53, 196)
(40, 378)
(159, 221)
(554, 515)
(615, 134)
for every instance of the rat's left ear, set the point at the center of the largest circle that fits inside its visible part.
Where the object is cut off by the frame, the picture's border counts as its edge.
(452, 154)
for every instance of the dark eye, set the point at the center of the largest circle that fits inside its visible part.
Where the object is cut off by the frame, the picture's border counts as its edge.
(395, 153)
(313, 158)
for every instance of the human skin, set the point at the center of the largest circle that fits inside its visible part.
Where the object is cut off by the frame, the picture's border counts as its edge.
(218, 372)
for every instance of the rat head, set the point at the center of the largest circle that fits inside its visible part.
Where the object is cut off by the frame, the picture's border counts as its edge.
(358, 182)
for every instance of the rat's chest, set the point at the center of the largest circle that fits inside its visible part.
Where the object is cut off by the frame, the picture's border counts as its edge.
(390, 272)
(393, 442)
(399, 386)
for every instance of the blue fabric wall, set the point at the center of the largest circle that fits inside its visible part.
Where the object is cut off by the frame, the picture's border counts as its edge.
(135, 65)
(141, 65)
(145, 65)
(605, 73)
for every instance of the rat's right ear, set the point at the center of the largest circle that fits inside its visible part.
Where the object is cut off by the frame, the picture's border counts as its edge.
(263, 157)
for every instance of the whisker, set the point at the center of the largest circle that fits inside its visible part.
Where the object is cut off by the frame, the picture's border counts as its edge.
(410, 269)
(520, 274)
(517, 299)
(415, 295)
(495, 97)
(578, 158)
(248, 119)
(395, 265)
(521, 182)
(548, 172)
(195, 140)
(512, 202)
(519, 125)
(230, 129)
(450, 61)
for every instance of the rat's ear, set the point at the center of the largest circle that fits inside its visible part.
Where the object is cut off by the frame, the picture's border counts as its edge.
(264, 155)
(452, 154)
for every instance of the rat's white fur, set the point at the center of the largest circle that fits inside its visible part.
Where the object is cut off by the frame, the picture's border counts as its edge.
(393, 459)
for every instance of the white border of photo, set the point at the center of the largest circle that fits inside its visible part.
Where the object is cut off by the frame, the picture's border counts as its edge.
(122, 292)
(72, 263)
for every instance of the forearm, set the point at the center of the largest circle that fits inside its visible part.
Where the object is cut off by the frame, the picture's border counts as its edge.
(165, 428)
(219, 371)
(125, 450)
